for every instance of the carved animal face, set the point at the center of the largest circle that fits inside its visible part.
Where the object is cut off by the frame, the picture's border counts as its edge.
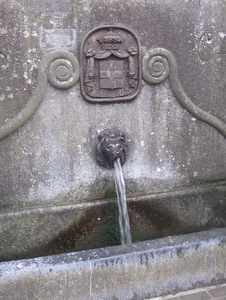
(111, 146)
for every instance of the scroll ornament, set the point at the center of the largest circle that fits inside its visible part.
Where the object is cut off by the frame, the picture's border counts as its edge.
(160, 64)
(61, 69)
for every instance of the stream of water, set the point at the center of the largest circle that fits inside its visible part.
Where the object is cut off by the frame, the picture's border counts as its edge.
(122, 205)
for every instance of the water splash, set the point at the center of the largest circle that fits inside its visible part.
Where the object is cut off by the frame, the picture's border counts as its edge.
(122, 205)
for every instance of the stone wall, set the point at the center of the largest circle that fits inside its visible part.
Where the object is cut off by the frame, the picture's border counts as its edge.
(51, 159)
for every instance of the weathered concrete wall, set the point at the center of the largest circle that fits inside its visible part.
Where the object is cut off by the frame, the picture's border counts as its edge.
(51, 159)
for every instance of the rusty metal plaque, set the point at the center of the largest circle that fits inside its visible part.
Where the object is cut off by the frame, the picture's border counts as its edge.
(110, 64)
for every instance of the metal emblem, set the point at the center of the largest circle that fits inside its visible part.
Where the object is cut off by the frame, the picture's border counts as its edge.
(110, 64)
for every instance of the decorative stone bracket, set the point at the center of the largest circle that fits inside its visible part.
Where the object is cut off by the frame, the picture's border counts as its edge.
(61, 69)
(160, 64)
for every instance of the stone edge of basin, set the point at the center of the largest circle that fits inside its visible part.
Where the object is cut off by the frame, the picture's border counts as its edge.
(137, 271)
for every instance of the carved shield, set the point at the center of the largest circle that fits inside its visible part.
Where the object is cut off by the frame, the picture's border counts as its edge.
(110, 64)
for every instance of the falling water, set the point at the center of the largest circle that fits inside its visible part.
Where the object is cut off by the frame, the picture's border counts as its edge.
(122, 206)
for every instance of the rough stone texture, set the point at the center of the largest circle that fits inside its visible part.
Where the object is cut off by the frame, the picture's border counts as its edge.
(136, 271)
(51, 159)
(209, 293)
(218, 293)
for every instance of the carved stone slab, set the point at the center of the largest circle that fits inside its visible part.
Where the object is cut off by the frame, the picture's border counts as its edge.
(110, 64)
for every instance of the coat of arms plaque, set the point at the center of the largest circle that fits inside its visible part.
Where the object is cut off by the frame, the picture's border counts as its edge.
(110, 64)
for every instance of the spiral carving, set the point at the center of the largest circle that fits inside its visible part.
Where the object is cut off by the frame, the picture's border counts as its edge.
(155, 68)
(61, 69)
(64, 72)
(3, 61)
(158, 64)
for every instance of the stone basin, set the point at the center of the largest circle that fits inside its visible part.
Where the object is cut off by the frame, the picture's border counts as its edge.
(179, 240)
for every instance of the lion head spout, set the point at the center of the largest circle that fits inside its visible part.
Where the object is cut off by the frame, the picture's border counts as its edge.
(111, 146)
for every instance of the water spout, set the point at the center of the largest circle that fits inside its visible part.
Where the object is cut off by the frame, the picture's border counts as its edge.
(122, 205)
(110, 147)
(111, 153)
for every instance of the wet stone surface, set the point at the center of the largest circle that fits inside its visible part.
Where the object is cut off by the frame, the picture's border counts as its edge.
(98, 226)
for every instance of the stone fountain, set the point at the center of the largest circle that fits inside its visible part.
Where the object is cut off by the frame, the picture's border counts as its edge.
(152, 70)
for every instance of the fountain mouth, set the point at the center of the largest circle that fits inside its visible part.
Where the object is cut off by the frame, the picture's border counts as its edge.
(111, 153)
(111, 147)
